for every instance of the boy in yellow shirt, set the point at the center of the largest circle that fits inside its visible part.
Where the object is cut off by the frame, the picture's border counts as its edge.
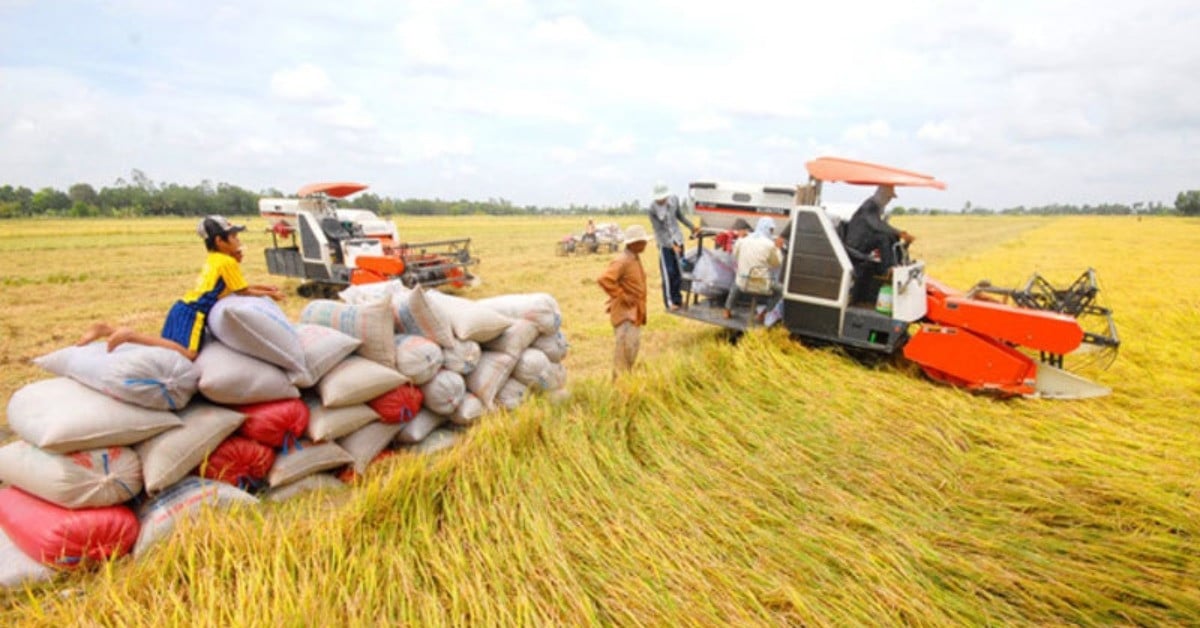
(183, 331)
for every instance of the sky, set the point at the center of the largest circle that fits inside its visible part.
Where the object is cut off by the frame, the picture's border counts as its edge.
(556, 103)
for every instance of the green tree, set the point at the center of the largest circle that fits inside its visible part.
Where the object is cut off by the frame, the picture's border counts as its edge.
(1188, 203)
(83, 193)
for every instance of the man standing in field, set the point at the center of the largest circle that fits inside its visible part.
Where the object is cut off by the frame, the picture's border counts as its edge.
(665, 216)
(624, 281)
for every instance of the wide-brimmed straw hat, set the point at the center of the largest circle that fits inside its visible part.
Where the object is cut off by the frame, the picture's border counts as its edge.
(635, 233)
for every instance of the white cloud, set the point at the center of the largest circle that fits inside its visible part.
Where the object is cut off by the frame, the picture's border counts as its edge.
(868, 132)
(607, 142)
(347, 114)
(564, 155)
(302, 83)
(943, 133)
(421, 40)
(704, 123)
(566, 31)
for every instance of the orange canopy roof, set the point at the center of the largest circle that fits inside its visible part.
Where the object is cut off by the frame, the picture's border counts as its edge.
(863, 173)
(340, 189)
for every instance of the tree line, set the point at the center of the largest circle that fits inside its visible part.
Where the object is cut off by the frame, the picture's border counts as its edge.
(139, 196)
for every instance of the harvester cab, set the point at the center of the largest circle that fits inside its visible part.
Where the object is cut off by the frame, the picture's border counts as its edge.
(330, 247)
(1004, 341)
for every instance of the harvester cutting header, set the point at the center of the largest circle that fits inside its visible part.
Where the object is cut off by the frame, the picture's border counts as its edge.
(1009, 341)
(332, 247)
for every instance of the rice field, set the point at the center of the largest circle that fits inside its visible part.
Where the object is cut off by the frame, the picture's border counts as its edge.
(762, 483)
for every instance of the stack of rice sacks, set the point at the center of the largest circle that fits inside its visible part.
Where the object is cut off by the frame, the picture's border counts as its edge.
(120, 445)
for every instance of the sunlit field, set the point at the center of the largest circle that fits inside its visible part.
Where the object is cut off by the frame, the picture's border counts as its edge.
(759, 483)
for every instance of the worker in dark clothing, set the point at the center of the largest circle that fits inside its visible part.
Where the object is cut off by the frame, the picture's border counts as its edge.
(871, 241)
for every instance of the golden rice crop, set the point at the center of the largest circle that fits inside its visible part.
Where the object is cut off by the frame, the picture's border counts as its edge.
(758, 483)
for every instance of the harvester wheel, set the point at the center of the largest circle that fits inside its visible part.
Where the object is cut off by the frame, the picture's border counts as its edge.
(305, 290)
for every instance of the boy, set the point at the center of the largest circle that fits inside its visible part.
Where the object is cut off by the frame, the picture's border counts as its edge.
(183, 330)
(624, 281)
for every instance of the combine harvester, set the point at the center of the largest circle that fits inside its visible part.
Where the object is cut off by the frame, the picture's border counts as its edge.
(330, 247)
(1005, 341)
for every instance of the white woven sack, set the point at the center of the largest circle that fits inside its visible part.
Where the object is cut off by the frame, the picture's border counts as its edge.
(17, 568)
(169, 456)
(62, 416)
(486, 380)
(371, 292)
(159, 515)
(468, 411)
(434, 441)
(151, 377)
(367, 441)
(416, 314)
(553, 345)
(531, 369)
(323, 348)
(417, 429)
(331, 423)
(444, 392)
(234, 378)
(369, 322)
(86, 479)
(515, 339)
(257, 327)
(306, 459)
(357, 380)
(462, 357)
(418, 358)
(556, 377)
(538, 308)
(306, 484)
(469, 320)
(511, 394)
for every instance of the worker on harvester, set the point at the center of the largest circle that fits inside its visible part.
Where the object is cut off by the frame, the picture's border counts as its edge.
(871, 242)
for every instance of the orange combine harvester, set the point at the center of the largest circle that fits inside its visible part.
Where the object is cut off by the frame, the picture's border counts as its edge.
(1007, 341)
(330, 247)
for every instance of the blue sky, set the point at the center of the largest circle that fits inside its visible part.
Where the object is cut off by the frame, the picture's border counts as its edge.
(555, 103)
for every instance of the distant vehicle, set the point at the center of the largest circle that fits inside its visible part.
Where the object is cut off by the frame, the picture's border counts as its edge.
(971, 340)
(332, 247)
(606, 239)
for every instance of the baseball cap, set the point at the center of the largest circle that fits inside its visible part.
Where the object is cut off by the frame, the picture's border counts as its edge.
(214, 225)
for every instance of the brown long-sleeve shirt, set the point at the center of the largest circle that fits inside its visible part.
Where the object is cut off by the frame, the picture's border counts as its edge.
(625, 283)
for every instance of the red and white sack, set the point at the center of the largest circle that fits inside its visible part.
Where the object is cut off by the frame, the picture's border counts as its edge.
(231, 377)
(323, 347)
(468, 411)
(357, 380)
(18, 569)
(538, 308)
(531, 369)
(169, 456)
(372, 323)
(468, 320)
(417, 357)
(462, 357)
(515, 339)
(151, 377)
(317, 482)
(257, 327)
(85, 479)
(487, 379)
(416, 314)
(64, 416)
(417, 429)
(65, 538)
(553, 345)
(305, 459)
(274, 423)
(399, 405)
(361, 294)
(511, 394)
(326, 424)
(367, 441)
(159, 515)
(444, 392)
(239, 461)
